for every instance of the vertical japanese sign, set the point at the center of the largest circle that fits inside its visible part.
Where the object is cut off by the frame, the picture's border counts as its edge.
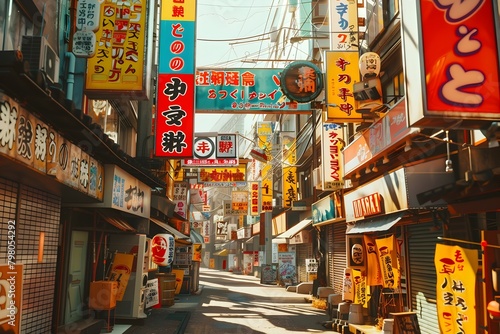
(11, 293)
(180, 198)
(176, 80)
(254, 198)
(389, 263)
(342, 72)
(265, 132)
(360, 289)
(373, 274)
(332, 142)
(342, 62)
(119, 60)
(206, 231)
(456, 269)
(289, 150)
(87, 23)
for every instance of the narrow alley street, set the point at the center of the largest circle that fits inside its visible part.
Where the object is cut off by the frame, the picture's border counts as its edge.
(233, 303)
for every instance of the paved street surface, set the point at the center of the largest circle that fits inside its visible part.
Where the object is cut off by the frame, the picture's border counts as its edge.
(235, 304)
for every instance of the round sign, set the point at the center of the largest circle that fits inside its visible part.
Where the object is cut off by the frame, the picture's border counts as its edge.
(301, 81)
(369, 65)
(204, 148)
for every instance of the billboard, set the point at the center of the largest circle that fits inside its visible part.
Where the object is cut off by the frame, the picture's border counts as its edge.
(242, 89)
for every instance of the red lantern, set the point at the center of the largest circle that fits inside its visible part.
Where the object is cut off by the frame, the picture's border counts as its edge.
(162, 249)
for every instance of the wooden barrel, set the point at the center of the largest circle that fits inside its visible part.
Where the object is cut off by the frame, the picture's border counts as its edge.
(167, 289)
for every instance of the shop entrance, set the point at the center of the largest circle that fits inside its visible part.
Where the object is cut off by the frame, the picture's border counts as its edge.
(76, 277)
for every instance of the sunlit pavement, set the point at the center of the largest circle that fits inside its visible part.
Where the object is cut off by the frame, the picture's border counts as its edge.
(235, 303)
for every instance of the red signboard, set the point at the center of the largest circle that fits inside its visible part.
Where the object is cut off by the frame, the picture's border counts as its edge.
(175, 116)
(460, 58)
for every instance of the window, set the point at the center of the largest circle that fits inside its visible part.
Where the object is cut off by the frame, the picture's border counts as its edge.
(394, 89)
(18, 24)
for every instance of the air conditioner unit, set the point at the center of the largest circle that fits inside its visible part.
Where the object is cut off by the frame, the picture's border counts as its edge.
(40, 56)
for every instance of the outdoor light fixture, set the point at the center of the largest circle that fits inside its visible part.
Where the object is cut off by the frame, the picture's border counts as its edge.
(368, 170)
(408, 145)
(374, 168)
(385, 160)
(448, 163)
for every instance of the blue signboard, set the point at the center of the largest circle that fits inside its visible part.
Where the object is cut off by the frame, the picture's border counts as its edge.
(242, 89)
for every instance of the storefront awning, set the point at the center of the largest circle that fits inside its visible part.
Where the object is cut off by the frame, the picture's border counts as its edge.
(224, 252)
(196, 237)
(249, 241)
(116, 221)
(376, 224)
(292, 231)
(176, 234)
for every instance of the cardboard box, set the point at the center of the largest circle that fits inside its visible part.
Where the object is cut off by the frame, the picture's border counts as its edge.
(103, 295)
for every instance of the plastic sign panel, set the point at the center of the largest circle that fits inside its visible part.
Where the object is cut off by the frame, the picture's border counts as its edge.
(301, 81)
(451, 62)
(214, 150)
(174, 132)
(342, 73)
(119, 62)
(332, 168)
(241, 90)
(162, 249)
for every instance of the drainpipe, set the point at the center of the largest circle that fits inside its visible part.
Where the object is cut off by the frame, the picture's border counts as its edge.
(71, 74)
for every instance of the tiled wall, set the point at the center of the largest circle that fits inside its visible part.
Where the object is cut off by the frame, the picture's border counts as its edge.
(38, 212)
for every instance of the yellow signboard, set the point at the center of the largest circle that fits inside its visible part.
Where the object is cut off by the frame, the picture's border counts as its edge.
(264, 133)
(118, 63)
(342, 72)
(120, 272)
(456, 269)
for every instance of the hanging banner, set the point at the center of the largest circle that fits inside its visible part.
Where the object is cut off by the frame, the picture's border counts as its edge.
(456, 269)
(120, 272)
(373, 273)
(288, 142)
(265, 132)
(360, 288)
(388, 260)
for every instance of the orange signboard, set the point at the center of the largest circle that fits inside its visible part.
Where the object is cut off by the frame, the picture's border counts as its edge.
(11, 293)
